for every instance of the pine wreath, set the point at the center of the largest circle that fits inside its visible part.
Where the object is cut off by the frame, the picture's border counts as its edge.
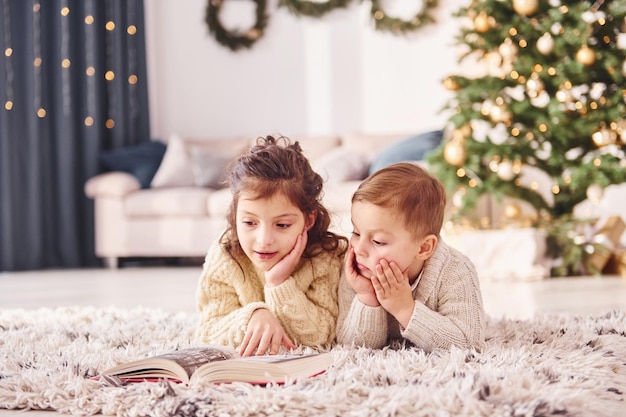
(235, 40)
(398, 26)
(313, 8)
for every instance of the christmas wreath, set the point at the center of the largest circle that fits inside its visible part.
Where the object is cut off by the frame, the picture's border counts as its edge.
(312, 8)
(383, 22)
(235, 40)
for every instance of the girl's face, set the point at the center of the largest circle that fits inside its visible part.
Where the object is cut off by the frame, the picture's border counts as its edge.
(380, 234)
(268, 228)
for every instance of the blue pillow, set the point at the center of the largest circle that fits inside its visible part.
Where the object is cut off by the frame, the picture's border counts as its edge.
(413, 148)
(140, 160)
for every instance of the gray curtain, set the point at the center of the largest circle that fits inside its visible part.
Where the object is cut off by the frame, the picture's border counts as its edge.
(72, 83)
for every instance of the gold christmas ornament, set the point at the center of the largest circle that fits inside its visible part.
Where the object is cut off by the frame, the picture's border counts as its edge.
(545, 44)
(512, 211)
(525, 7)
(508, 50)
(534, 86)
(499, 113)
(505, 170)
(586, 55)
(253, 34)
(454, 152)
(482, 22)
(620, 128)
(604, 137)
(450, 84)
(465, 130)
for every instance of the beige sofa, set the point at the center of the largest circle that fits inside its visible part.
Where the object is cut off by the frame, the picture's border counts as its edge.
(177, 218)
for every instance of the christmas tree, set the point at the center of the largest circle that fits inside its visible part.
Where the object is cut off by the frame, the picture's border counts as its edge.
(552, 103)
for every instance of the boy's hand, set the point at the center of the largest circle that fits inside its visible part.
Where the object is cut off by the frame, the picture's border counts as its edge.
(264, 335)
(393, 291)
(361, 285)
(279, 273)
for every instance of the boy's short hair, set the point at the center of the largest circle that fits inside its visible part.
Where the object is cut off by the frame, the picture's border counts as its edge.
(417, 197)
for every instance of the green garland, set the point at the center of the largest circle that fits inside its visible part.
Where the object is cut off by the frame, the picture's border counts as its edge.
(235, 40)
(312, 8)
(398, 26)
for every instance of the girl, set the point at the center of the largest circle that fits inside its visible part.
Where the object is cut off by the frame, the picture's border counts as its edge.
(271, 279)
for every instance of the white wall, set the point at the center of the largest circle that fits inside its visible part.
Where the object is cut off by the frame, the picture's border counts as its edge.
(304, 76)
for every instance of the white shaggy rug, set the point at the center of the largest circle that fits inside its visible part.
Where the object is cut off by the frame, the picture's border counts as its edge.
(559, 365)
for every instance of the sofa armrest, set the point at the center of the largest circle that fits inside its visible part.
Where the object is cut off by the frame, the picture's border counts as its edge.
(111, 184)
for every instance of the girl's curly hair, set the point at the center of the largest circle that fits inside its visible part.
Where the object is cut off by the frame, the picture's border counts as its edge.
(275, 165)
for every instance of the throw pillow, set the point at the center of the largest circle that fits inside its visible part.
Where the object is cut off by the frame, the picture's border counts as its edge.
(209, 167)
(175, 169)
(342, 164)
(413, 148)
(140, 160)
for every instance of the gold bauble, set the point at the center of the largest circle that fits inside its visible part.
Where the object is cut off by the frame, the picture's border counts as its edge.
(534, 86)
(499, 113)
(252, 34)
(525, 7)
(450, 84)
(505, 170)
(482, 23)
(545, 44)
(586, 55)
(454, 153)
(512, 211)
(507, 49)
(604, 137)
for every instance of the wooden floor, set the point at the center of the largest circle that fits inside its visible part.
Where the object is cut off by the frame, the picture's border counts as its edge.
(172, 289)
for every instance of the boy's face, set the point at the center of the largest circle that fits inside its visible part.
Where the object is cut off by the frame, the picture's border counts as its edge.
(379, 233)
(268, 228)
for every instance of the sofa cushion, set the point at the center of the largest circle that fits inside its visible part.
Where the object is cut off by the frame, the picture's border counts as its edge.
(142, 160)
(371, 143)
(182, 163)
(413, 148)
(342, 164)
(315, 147)
(180, 201)
(210, 167)
(174, 170)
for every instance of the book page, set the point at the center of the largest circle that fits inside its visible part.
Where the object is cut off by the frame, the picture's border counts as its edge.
(179, 364)
(191, 359)
(264, 369)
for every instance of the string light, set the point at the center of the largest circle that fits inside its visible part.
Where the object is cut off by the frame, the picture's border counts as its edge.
(90, 60)
(65, 63)
(8, 53)
(94, 22)
(38, 62)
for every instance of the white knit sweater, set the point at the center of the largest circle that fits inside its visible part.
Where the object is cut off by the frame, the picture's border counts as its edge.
(448, 309)
(305, 304)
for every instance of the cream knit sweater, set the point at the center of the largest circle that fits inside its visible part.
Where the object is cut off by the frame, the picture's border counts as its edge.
(305, 304)
(448, 309)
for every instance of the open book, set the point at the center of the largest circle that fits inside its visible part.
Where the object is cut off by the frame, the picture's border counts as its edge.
(219, 364)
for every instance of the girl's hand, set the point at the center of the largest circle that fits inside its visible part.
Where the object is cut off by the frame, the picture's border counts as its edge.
(264, 335)
(279, 273)
(393, 291)
(361, 285)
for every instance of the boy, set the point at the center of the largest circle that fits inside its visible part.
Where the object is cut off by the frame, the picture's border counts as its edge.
(400, 280)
